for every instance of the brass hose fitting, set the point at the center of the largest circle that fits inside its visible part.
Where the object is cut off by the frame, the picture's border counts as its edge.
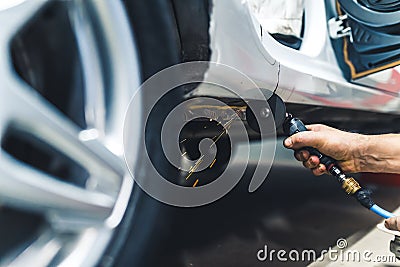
(350, 186)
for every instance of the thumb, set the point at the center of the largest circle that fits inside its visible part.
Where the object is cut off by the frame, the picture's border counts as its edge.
(303, 139)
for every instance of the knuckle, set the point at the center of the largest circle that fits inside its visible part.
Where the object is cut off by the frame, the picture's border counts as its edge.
(298, 155)
(298, 139)
(301, 155)
(317, 127)
(313, 161)
(322, 168)
(307, 164)
(306, 154)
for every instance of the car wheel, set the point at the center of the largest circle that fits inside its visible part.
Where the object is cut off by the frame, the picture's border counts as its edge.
(69, 69)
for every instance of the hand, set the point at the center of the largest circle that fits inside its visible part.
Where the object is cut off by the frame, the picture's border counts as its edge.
(393, 223)
(343, 146)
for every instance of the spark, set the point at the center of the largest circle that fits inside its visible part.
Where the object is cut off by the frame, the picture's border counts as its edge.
(195, 183)
(200, 160)
(197, 164)
(190, 174)
(226, 127)
(184, 140)
(228, 122)
(193, 169)
(218, 137)
(212, 163)
(184, 154)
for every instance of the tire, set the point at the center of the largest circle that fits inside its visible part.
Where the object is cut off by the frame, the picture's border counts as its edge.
(146, 221)
(167, 33)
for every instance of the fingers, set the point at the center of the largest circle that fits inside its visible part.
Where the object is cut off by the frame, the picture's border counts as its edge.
(319, 170)
(315, 137)
(304, 139)
(312, 162)
(393, 223)
(302, 155)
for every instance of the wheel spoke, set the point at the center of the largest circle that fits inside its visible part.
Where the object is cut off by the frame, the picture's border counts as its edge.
(40, 253)
(25, 110)
(14, 17)
(110, 76)
(30, 113)
(26, 188)
(123, 74)
(91, 64)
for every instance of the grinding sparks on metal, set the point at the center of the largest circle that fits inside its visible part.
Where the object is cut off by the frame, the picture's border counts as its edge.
(217, 137)
(196, 165)
(226, 127)
(212, 163)
(190, 174)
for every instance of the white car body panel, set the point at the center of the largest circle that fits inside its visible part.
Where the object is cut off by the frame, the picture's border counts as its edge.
(310, 75)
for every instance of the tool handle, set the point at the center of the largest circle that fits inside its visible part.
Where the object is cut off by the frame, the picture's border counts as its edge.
(293, 126)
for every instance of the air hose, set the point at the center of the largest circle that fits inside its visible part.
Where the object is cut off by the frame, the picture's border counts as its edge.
(349, 184)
